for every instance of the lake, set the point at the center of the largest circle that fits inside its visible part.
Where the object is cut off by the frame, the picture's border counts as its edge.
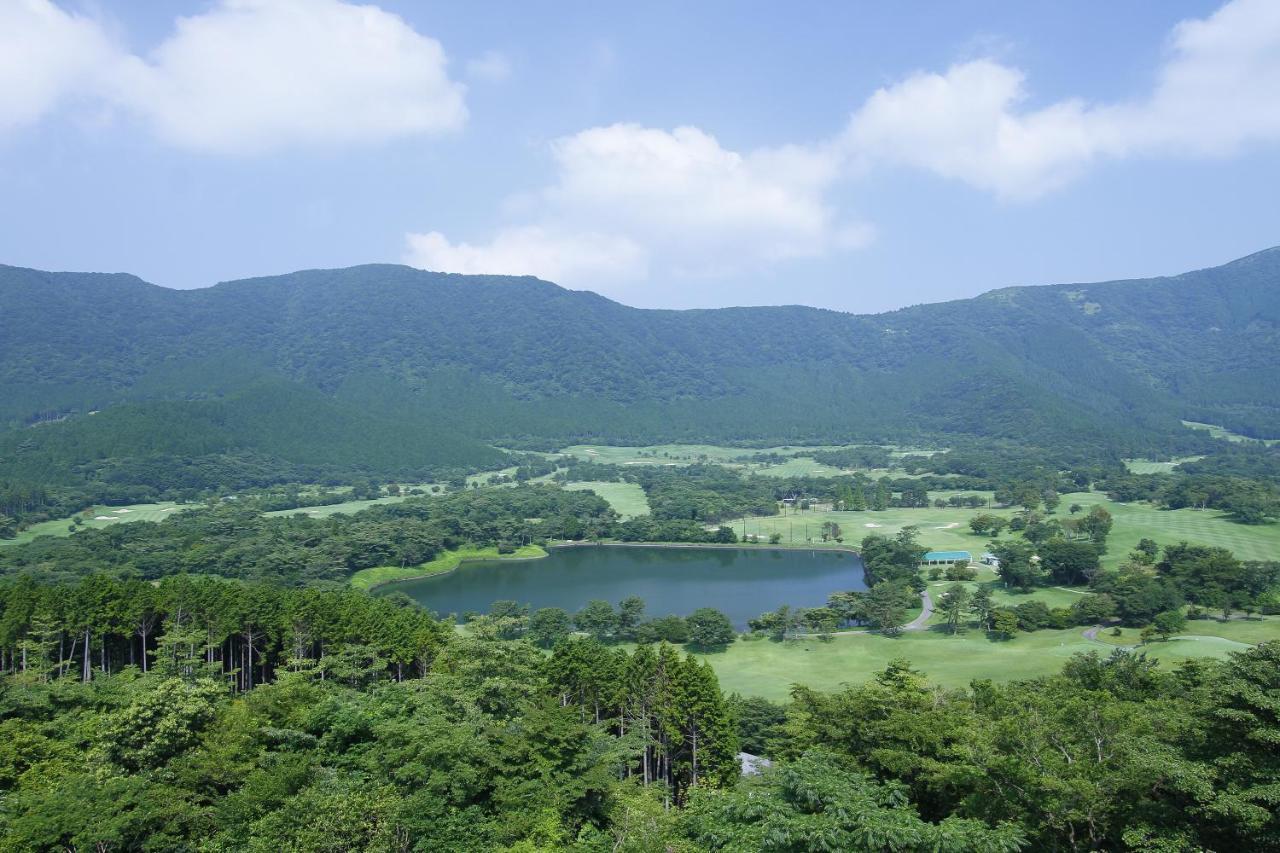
(741, 582)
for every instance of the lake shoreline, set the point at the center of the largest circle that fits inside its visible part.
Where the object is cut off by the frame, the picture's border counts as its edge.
(741, 581)
(548, 548)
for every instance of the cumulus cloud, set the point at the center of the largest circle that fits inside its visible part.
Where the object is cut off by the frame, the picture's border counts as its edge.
(694, 206)
(247, 76)
(46, 56)
(1215, 92)
(561, 256)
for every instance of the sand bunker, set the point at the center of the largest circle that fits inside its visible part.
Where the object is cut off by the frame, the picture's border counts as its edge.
(872, 524)
(105, 518)
(948, 526)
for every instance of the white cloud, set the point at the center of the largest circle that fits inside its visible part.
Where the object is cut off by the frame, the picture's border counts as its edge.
(247, 76)
(46, 56)
(256, 75)
(564, 257)
(1215, 92)
(694, 206)
(492, 66)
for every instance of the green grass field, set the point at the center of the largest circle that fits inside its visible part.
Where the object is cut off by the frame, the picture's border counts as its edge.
(947, 529)
(1224, 433)
(97, 517)
(1148, 466)
(627, 499)
(1170, 526)
(347, 507)
(799, 464)
(368, 579)
(765, 668)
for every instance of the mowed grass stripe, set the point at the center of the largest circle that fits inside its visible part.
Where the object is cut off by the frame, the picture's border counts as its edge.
(627, 499)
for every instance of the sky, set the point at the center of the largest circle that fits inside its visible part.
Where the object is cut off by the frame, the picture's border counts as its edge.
(858, 156)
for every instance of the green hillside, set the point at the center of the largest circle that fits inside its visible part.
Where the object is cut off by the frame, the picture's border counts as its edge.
(390, 369)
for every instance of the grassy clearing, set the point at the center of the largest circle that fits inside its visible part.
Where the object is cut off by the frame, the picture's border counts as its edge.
(346, 507)
(1222, 432)
(1170, 526)
(940, 529)
(98, 517)
(765, 668)
(627, 499)
(368, 579)
(687, 454)
(1148, 466)
(947, 529)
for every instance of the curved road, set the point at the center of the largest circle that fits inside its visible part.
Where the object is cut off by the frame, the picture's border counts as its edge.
(916, 624)
(926, 610)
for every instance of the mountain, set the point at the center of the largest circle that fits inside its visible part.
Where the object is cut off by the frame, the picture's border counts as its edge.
(387, 368)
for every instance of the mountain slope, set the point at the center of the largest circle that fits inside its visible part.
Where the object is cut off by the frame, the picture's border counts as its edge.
(384, 353)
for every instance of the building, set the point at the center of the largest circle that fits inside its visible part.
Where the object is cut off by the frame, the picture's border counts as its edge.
(989, 559)
(946, 558)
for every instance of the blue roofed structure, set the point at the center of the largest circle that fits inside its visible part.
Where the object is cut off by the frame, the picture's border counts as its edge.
(945, 558)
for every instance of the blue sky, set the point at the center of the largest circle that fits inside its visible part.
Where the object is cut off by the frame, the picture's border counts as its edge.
(857, 156)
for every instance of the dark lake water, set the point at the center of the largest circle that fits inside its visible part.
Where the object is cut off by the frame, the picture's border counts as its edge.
(741, 582)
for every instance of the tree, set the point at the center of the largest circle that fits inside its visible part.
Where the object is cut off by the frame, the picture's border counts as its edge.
(1147, 549)
(164, 720)
(597, 619)
(1017, 564)
(954, 603)
(630, 615)
(710, 629)
(886, 607)
(1069, 562)
(1004, 623)
(1096, 524)
(981, 607)
(822, 801)
(1168, 623)
(986, 524)
(548, 626)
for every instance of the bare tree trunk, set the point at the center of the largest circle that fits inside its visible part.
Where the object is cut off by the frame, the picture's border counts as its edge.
(87, 674)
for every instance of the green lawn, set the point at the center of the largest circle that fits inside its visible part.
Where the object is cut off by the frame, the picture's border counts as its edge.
(1221, 432)
(97, 516)
(1135, 521)
(628, 499)
(347, 507)
(367, 579)
(947, 529)
(1148, 466)
(687, 454)
(940, 529)
(765, 668)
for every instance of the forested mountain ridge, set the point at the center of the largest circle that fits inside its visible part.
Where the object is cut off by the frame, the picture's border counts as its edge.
(441, 364)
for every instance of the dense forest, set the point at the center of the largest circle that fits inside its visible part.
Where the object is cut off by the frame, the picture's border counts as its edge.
(322, 373)
(217, 715)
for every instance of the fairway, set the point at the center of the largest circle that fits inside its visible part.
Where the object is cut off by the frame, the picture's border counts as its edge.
(98, 517)
(1222, 432)
(799, 462)
(627, 499)
(946, 529)
(1135, 521)
(1148, 466)
(347, 507)
(761, 667)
